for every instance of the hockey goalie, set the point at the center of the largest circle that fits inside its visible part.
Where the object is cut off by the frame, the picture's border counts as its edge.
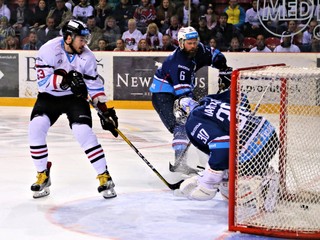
(207, 126)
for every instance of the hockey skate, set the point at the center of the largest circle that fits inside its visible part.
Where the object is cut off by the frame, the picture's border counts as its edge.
(181, 165)
(106, 187)
(41, 186)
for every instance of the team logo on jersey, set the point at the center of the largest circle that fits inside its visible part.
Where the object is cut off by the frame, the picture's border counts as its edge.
(130, 41)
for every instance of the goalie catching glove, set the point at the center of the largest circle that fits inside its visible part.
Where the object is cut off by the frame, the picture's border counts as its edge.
(225, 78)
(182, 108)
(108, 118)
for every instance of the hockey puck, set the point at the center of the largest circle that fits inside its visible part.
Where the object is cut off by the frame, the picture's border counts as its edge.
(304, 207)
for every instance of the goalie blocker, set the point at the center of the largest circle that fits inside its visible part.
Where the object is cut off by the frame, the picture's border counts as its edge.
(207, 127)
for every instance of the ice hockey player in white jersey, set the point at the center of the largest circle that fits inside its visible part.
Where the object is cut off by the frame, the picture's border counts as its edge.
(66, 74)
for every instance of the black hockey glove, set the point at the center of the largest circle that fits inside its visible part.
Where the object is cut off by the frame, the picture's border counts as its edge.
(108, 118)
(77, 84)
(64, 83)
(224, 78)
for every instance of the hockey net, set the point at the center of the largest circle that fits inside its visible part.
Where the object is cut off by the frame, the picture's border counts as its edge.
(282, 199)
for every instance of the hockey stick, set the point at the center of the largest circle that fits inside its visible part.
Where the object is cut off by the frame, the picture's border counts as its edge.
(171, 186)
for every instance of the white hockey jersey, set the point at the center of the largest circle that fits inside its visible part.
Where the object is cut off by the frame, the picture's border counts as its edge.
(52, 56)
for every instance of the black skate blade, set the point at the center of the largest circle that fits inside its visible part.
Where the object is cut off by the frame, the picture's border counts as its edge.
(113, 196)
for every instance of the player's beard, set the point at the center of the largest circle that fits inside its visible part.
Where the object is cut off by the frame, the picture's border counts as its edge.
(74, 50)
(191, 53)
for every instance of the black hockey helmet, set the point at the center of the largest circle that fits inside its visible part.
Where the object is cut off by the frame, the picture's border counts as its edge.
(76, 28)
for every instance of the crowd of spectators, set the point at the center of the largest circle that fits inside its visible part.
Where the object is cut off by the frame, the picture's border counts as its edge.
(153, 25)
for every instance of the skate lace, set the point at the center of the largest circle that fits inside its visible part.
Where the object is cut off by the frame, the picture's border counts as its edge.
(41, 178)
(103, 178)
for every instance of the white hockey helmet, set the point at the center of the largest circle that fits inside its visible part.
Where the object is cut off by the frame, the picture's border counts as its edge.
(186, 33)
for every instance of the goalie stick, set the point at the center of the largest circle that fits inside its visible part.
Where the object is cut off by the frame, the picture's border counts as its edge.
(172, 186)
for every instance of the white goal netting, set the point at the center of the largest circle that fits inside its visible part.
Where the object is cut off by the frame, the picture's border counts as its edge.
(278, 187)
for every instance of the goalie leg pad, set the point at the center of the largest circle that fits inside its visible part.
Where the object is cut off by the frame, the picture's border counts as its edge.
(188, 185)
(201, 193)
(202, 188)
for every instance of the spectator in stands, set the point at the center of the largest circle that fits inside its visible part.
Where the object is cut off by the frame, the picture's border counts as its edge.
(153, 37)
(315, 45)
(11, 43)
(102, 11)
(121, 46)
(132, 36)
(113, 4)
(224, 32)
(82, 11)
(21, 19)
(183, 15)
(33, 43)
(260, 45)
(96, 32)
(236, 14)
(213, 44)
(47, 32)
(167, 44)
(103, 45)
(203, 31)
(164, 12)
(286, 44)
(4, 10)
(144, 14)
(5, 31)
(307, 36)
(70, 5)
(60, 13)
(211, 17)
(40, 14)
(235, 45)
(111, 32)
(296, 33)
(143, 46)
(252, 27)
(123, 12)
(173, 30)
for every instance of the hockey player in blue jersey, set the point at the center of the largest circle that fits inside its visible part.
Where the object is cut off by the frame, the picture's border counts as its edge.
(207, 127)
(175, 78)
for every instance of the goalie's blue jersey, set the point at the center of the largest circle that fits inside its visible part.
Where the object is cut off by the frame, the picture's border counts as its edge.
(177, 73)
(208, 127)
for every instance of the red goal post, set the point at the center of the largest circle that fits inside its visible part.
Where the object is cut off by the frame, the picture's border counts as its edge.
(284, 201)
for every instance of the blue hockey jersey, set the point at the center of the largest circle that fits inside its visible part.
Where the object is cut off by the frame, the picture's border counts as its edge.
(177, 73)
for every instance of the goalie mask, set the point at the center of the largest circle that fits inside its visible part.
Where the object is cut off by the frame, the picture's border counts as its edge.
(182, 108)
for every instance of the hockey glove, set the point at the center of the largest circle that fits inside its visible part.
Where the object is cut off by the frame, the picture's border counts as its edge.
(108, 118)
(77, 84)
(63, 73)
(218, 61)
(224, 78)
